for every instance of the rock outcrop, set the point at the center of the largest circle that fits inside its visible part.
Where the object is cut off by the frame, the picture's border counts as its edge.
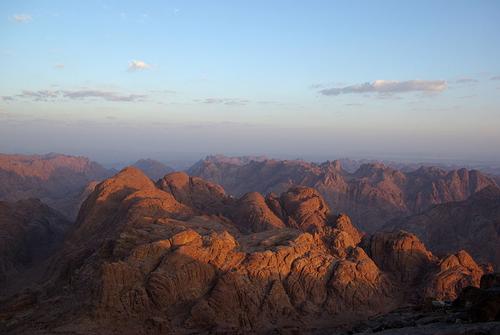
(182, 256)
(476, 310)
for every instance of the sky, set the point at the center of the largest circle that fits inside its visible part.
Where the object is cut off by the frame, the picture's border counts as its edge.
(119, 80)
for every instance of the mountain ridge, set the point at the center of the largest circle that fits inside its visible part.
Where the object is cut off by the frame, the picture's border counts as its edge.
(371, 195)
(178, 254)
(58, 180)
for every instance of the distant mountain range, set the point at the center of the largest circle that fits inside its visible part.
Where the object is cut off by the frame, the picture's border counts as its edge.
(60, 181)
(372, 195)
(153, 168)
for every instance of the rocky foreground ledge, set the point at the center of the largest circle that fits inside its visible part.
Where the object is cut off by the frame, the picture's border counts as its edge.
(475, 311)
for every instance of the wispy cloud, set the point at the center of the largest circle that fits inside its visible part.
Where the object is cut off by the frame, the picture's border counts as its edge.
(105, 95)
(41, 95)
(53, 95)
(495, 78)
(466, 81)
(388, 87)
(223, 101)
(59, 66)
(138, 65)
(317, 86)
(22, 18)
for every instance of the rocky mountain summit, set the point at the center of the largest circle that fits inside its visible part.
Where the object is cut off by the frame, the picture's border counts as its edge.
(57, 180)
(182, 256)
(371, 196)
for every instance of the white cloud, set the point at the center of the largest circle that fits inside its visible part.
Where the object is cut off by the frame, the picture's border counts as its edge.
(138, 65)
(495, 78)
(105, 95)
(388, 87)
(22, 18)
(57, 95)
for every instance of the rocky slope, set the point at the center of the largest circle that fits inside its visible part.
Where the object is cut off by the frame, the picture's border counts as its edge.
(29, 233)
(58, 180)
(472, 224)
(371, 195)
(153, 168)
(181, 256)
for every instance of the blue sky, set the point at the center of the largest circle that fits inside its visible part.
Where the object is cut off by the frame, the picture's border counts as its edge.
(326, 78)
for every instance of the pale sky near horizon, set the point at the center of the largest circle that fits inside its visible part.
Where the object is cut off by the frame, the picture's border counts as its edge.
(112, 79)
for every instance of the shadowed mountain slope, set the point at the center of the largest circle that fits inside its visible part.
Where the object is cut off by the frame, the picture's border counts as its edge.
(30, 232)
(472, 224)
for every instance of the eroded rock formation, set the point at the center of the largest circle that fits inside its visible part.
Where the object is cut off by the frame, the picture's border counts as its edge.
(181, 255)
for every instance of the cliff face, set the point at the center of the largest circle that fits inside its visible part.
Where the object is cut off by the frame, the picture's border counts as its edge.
(182, 255)
(58, 180)
(472, 224)
(371, 195)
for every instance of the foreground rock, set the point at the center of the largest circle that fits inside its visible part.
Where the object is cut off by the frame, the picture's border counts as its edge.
(181, 256)
(475, 311)
(415, 321)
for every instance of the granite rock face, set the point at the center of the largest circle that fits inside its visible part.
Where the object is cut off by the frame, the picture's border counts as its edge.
(183, 256)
